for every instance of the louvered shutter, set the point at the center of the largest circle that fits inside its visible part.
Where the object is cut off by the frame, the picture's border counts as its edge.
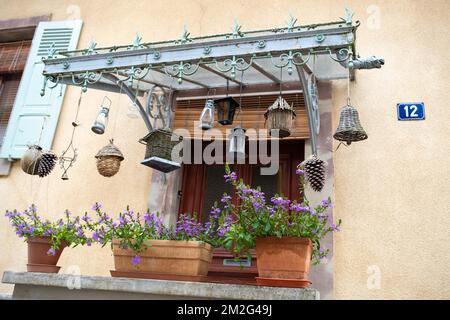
(31, 112)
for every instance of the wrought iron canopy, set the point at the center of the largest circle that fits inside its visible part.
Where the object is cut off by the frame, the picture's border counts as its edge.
(229, 63)
(251, 58)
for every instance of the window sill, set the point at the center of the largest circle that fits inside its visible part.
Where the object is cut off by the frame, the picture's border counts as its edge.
(5, 167)
(31, 285)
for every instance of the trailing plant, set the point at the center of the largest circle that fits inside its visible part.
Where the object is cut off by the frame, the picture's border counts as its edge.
(256, 217)
(132, 230)
(69, 230)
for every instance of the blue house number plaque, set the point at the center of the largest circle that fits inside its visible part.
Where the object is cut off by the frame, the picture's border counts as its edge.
(411, 111)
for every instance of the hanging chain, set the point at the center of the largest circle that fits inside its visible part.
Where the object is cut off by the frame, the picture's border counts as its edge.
(44, 122)
(65, 161)
(240, 95)
(281, 80)
(259, 113)
(348, 82)
(118, 105)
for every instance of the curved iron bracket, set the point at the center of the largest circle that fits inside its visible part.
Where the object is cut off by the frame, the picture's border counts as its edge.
(131, 95)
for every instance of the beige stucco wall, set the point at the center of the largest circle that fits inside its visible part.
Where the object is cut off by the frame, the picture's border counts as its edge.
(391, 190)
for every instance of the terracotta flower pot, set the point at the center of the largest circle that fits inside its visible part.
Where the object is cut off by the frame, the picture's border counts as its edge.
(38, 259)
(283, 261)
(165, 259)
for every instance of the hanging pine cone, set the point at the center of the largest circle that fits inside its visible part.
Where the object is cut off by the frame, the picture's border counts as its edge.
(315, 170)
(46, 163)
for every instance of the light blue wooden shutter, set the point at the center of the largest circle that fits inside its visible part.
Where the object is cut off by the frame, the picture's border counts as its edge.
(31, 111)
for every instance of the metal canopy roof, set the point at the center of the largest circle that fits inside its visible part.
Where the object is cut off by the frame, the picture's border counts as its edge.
(251, 58)
(235, 62)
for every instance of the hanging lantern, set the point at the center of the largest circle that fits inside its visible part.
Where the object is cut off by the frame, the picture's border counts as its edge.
(226, 108)
(158, 154)
(108, 160)
(101, 121)
(207, 115)
(279, 116)
(349, 129)
(237, 143)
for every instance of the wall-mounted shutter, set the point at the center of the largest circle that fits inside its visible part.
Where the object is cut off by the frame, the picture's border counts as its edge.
(31, 111)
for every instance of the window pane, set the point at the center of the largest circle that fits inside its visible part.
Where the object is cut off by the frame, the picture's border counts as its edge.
(215, 188)
(270, 185)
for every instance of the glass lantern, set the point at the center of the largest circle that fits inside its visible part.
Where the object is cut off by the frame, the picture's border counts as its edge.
(101, 121)
(237, 143)
(226, 108)
(207, 115)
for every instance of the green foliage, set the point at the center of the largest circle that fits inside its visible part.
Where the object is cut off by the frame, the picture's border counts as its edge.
(255, 217)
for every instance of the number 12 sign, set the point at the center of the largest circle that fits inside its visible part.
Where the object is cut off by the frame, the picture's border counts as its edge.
(411, 111)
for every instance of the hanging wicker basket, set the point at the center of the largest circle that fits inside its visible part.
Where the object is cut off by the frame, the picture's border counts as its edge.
(158, 153)
(279, 116)
(108, 160)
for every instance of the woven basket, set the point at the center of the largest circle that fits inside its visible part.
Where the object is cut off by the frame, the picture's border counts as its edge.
(159, 144)
(279, 116)
(350, 128)
(108, 160)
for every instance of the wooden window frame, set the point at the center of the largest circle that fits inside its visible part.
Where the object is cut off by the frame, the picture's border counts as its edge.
(193, 186)
(191, 200)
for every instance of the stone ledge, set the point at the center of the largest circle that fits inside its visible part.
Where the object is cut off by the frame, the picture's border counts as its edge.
(33, 281)
(5, 296)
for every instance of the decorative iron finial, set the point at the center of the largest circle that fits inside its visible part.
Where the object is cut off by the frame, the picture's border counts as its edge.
(91, 48)
(137, 43)
(236, 31)
(348, 19)
(291, 23)
(51, 51)
(184, 36)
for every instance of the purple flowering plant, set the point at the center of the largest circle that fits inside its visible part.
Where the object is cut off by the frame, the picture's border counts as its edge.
(68, 230)
(132, 230)
(258, 217)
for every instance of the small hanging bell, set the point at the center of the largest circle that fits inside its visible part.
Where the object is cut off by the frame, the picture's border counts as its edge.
(349, 129)
(65, 176)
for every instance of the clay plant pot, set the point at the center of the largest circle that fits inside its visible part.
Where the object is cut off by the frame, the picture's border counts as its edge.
(165, 259)
(283, 262)
(38, 259)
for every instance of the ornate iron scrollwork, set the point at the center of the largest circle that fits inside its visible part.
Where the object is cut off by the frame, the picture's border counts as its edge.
(289, 60)
(234, 64)
(54, 82)
(180, 70)
(159, 107)
(86, 78)
(135, 73)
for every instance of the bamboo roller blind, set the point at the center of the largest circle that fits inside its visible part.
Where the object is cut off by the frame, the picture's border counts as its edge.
(13, 56)
(9, 85)
(251, 115)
